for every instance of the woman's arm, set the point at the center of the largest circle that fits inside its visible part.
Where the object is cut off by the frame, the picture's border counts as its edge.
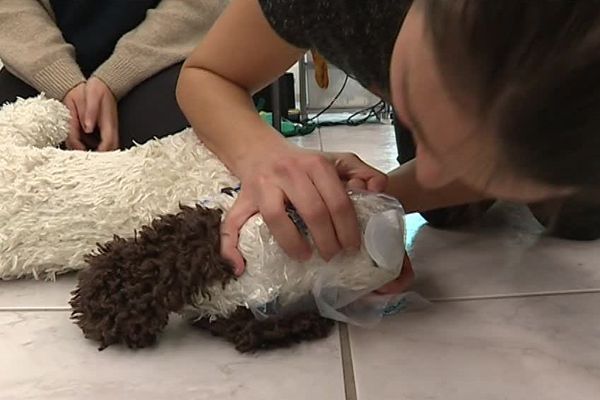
(32, 48)
(240, 55)
(402, 184)
(167, 36)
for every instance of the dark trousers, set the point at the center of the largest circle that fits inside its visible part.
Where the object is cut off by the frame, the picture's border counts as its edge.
(575, 218)
(149, 110)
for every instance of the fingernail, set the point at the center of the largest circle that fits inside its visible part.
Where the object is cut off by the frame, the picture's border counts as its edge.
(238, 270)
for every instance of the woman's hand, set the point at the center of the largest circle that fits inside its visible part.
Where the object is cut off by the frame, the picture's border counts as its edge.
(101, 111)
(356, 174)
(92, 104)
(75, 102)
(315, 184)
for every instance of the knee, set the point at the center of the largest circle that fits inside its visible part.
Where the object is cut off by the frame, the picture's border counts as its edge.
(577, 218)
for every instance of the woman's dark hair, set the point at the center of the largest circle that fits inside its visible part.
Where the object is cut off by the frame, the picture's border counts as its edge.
(534, 69)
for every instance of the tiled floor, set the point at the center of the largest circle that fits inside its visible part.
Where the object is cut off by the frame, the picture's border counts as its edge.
(515, 317)
(45, 357)
(518, 349)
(516, 314)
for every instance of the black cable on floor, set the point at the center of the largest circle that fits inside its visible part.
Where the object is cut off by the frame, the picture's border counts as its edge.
(371, 111)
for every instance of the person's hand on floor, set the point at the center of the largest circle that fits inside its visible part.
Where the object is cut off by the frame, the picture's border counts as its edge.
(101, 111)
(76, 103)
(313, 182)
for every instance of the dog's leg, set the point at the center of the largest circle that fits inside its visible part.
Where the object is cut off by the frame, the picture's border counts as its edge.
(249, 334)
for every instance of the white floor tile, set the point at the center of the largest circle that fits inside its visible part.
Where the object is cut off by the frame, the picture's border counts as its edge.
(37, 294)
(505, 254)
(44, 356)
(374, 143)
(311, 141)
(521, 349)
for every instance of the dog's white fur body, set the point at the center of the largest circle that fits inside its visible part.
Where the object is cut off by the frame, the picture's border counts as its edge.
(56, 206)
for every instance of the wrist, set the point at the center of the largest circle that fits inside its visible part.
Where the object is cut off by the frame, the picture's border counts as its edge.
(248, 156)
(402, 185)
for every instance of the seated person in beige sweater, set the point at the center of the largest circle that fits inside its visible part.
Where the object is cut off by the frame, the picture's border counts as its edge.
(113, 63)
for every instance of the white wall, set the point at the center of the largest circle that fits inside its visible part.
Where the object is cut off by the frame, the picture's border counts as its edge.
(353, 97)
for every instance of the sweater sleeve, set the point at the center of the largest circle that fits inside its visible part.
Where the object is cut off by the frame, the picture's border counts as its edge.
(33, 48)
(167, 36)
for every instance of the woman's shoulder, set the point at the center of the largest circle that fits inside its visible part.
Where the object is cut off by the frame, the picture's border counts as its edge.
(355, 35)
(292, 19)
(304, 22)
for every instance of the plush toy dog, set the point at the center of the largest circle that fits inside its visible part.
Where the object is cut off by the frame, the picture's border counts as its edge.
(157, 210)
(56, 205)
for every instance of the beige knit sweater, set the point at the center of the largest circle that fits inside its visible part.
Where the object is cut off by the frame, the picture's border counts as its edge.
(33, 48)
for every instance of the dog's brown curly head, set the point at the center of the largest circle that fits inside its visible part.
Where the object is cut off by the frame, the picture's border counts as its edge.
(131, 285)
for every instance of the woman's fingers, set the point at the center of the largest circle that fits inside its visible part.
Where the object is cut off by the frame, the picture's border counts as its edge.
(235, 218)
(108, 124)
(273, 208)
(314, 214)
(352, 169)
(339, 207)
(75, 101)
(73, 139)
(310, 182)
(356, 184)
(92, 108)
(81, 106)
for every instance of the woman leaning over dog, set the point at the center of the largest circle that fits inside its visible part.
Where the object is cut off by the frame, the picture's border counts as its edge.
(495, 100)
(113, 63)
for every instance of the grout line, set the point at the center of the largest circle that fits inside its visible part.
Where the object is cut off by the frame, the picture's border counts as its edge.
(514, 296)
(34, 309)
(320, 140)
(343, 328)
(347, 363)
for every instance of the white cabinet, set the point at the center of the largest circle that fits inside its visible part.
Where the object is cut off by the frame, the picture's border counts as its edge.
(354, 96)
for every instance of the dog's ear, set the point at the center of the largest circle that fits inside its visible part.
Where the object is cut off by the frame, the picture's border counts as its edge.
(131, 285)
(114, 301)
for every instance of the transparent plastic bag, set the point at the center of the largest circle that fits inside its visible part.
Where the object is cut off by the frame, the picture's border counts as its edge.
(342, 289)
